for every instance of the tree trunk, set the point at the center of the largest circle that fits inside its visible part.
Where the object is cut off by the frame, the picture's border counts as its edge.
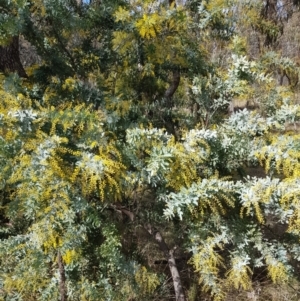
(62, 280)
(172, 88)
(179, 294)
(169, 103)
(10, 58)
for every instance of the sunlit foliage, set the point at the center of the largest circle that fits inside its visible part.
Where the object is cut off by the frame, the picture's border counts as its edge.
(95, 150)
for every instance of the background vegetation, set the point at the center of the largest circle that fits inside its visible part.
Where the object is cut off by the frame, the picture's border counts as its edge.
(149, 150)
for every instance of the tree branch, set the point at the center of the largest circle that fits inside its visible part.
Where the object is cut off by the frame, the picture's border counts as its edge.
(169, 253)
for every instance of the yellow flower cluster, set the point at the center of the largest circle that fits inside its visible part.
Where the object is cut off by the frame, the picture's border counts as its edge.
(69, 256)
(146, 280)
